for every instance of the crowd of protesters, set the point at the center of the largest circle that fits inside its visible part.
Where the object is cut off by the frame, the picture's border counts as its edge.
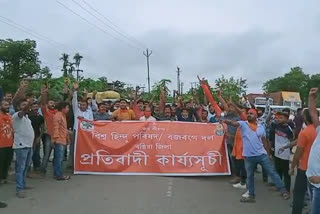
(254, 137)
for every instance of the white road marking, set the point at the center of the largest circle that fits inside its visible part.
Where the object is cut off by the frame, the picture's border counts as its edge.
(170, 187)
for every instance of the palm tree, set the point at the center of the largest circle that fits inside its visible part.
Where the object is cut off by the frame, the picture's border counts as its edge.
(65, 59)
(77, 58)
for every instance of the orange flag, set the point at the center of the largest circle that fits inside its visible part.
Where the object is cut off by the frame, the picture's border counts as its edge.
(207, 91)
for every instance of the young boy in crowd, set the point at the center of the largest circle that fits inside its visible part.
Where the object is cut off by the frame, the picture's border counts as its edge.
(280, 135)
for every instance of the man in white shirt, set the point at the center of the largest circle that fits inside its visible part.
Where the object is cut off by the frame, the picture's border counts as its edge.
(313, 171)
(23, 142)
(147, 115)
(79, 112)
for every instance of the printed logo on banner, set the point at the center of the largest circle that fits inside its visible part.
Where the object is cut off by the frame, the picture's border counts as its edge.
(219, 130)
(86, 126)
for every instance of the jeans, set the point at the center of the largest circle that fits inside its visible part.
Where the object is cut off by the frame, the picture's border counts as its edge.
(47, 148)
(6, 155)
(282, 168)
(59, 150)
(240, 170)
(315, 199)
(265, 162)
(231, 159)
(36, 155)
(299, 191)
(23, 161)
(72, 145)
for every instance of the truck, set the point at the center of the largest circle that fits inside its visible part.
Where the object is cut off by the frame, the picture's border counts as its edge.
(287, 98)
(281, 99)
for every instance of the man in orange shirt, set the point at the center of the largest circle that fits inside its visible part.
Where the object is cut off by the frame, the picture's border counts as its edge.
(48, 111)
(60, 139)
(301, 157)
(123, 113)
(6, 140)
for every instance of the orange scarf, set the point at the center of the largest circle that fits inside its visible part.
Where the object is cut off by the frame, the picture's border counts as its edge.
(238, 142)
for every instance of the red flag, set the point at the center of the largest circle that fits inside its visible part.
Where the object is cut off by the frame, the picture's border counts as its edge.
(207, 92)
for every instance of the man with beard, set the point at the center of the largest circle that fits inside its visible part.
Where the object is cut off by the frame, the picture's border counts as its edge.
(23, 143)
(255, 147)
(48, 111)
(6, 141)
(123, 113)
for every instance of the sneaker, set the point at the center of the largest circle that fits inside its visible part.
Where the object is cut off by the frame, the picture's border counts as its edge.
(240, 186)
(249, 199)
(21, 194)
(235, 180)
(246, 194)
(3, 205)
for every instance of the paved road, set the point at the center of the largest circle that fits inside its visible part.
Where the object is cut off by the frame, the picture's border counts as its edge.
(85, 194)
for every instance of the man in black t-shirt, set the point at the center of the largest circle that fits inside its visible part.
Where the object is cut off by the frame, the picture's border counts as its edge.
(37, 122)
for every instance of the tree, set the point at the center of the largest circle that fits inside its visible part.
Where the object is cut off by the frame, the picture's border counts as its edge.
(44, 73)
(232, 88)
(19, 61)
(65, 59)
(77, 58)
(295, 80)
(158, 87)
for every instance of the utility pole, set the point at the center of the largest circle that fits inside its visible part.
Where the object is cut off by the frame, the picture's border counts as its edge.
(148, 54)
(178, 80)
(181, 88)
(78, 75)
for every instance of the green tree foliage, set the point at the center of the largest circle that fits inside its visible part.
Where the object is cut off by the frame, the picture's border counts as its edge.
(295, 80)
(77, 59)
(158, 87)
(231, 88)
(19, 61)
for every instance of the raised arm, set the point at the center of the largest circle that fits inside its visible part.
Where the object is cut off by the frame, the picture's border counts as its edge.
(163, 100)
(75, 97)
(44, 95)
(20, 94)
(94, 106)
(312, 107)
(223, 101)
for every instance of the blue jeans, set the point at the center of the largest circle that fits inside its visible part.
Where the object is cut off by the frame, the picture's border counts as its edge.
(36, 160)
(23, 161)
(59, 150)
(71, 152)
(315, 199)
(47, 148)
(265, 162)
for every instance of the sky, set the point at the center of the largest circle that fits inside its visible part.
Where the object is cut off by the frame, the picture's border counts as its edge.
(256, 40)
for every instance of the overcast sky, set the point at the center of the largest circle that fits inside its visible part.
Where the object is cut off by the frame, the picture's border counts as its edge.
(256, 40)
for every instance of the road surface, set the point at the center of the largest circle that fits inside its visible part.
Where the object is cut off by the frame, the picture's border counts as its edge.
(88, 194)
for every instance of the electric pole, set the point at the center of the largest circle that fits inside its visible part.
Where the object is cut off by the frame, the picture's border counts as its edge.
(78, 75)
(181, 88)
(148, 54)
(178, 80)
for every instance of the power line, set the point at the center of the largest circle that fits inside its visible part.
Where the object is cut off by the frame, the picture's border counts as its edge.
(25, 31)
(124, 34)
(94, 25)
(30, 31)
